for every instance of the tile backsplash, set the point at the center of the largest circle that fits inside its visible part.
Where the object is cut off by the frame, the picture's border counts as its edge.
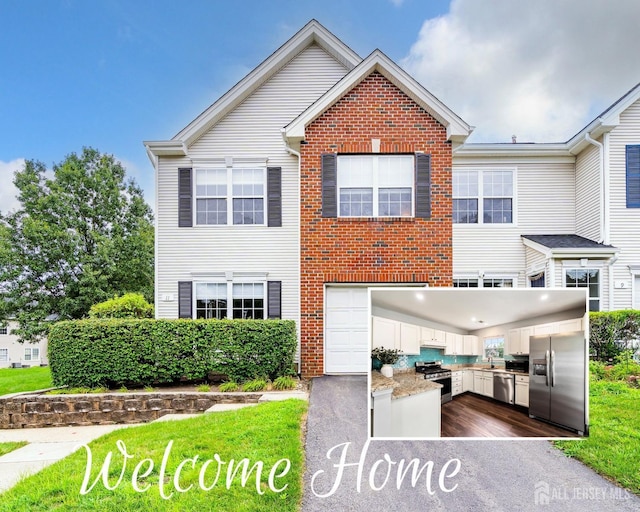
(434, 354)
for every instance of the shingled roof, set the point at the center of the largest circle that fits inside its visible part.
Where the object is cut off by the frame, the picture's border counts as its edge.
(566, 242)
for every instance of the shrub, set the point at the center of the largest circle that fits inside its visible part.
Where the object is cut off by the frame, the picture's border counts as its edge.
(284, 382)
(130, 305)
(137, 352)
(254, 385)
(204, 388)
(611, 332)
(230, 386)
(596, 370)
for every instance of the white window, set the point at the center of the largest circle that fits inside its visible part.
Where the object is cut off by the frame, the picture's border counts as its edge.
(585, 278)
(4, 355)
(375, 186)
(493, 348)
(486, 282)
(4, 330)
(31, 354)
(230, 196)
(230, 300)
(483, 197)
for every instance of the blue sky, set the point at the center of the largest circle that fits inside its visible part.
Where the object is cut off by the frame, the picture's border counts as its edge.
(110, 74)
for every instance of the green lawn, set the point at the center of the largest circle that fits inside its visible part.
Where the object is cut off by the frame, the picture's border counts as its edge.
(612, 448)
(268, 433)
(9, 447)
(15, 380)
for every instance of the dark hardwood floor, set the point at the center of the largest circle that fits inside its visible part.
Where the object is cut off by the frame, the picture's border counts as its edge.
(470, 415)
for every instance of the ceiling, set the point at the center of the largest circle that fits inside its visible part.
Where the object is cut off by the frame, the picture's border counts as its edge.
(475, 308)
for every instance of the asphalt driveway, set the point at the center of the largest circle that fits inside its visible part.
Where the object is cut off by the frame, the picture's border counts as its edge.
(492, 475)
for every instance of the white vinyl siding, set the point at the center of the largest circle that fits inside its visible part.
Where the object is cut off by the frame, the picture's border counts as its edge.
(545, 203)
(625, 222)
(588, 191)
(251, 132)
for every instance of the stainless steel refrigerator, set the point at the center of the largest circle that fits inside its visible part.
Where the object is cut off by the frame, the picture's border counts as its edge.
(557, 380)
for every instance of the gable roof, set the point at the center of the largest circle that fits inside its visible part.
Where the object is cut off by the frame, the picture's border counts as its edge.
(312, 33)
(457, 129)
(568, 245)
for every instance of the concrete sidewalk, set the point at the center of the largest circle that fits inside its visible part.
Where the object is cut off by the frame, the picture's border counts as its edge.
(49, 445)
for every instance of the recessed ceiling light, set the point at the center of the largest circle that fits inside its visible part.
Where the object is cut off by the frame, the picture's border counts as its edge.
(420, 296)
(473, 318)
(544, 296)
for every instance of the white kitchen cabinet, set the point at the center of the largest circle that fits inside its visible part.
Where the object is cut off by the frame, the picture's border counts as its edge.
(409, 339)
(518, 340)
(456, 382)
(385, 333)
(415, 416)
(467, 380)
(545, 329)
(483, 383)
(454, 344)
(522, 390)
(430, 337)
(574, 324)
(471, 344)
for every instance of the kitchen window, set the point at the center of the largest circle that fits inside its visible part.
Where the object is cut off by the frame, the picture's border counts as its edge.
(493, 348)
(230, 300)
(483, 197)
(375, 186)
(230, 196)
(585, 278)
(31, 354)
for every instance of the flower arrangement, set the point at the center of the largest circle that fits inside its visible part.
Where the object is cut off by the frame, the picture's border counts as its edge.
(386, 355)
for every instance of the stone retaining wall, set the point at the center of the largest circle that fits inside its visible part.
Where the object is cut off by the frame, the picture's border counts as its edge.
(32, 410)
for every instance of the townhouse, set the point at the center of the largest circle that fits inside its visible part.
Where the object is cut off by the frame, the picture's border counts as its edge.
(322, 173)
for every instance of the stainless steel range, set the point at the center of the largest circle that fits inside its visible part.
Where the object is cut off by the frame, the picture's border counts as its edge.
(432, 370)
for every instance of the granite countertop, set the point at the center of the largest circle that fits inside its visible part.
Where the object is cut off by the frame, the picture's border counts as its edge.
(403, 383)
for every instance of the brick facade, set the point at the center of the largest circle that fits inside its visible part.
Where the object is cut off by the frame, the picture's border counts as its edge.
(398, 250)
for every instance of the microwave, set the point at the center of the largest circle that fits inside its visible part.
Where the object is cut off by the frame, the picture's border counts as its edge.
(520, 365)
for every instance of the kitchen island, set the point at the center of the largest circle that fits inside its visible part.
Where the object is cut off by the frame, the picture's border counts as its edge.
(405, 406)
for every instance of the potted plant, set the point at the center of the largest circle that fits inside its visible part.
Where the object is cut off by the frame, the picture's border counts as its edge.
(388, 357)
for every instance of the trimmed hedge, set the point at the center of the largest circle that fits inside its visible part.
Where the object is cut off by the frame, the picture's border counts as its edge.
(130, 305)
(612, 332)
(131, 352)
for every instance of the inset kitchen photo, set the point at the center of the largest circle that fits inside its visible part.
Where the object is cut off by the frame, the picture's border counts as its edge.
(479, 363)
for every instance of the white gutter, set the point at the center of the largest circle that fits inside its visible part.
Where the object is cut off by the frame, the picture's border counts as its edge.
(295, 153)
(600, 147)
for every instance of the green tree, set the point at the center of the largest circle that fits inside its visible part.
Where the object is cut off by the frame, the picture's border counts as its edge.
(81, 235)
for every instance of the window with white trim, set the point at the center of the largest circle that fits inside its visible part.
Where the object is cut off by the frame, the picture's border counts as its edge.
(230, 300)
(31, 353)
(483, 197)
(4, 355)
(375, 185)
(585, 278)
(493, 348)
(229, 196)
(486, 282)
(537, 280)
(4, 330)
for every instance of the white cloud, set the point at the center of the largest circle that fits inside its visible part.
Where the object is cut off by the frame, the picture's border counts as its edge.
(397, 3)
(540, 70)
(8, 191)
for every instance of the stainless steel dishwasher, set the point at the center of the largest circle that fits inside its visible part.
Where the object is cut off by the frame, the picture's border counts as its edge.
(504, 387)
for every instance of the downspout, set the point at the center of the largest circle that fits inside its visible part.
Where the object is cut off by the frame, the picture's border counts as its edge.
(295, 153)
(611, 283)
(600, 146)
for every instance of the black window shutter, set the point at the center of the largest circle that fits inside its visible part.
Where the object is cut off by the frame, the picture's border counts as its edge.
(633, 176)
(274, 299)
(329, 185)
(185, 196)
(184, 299)
(274, 197)
(423, 186)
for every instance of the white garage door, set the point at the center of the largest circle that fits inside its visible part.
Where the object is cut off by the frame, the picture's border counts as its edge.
(346, 346)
